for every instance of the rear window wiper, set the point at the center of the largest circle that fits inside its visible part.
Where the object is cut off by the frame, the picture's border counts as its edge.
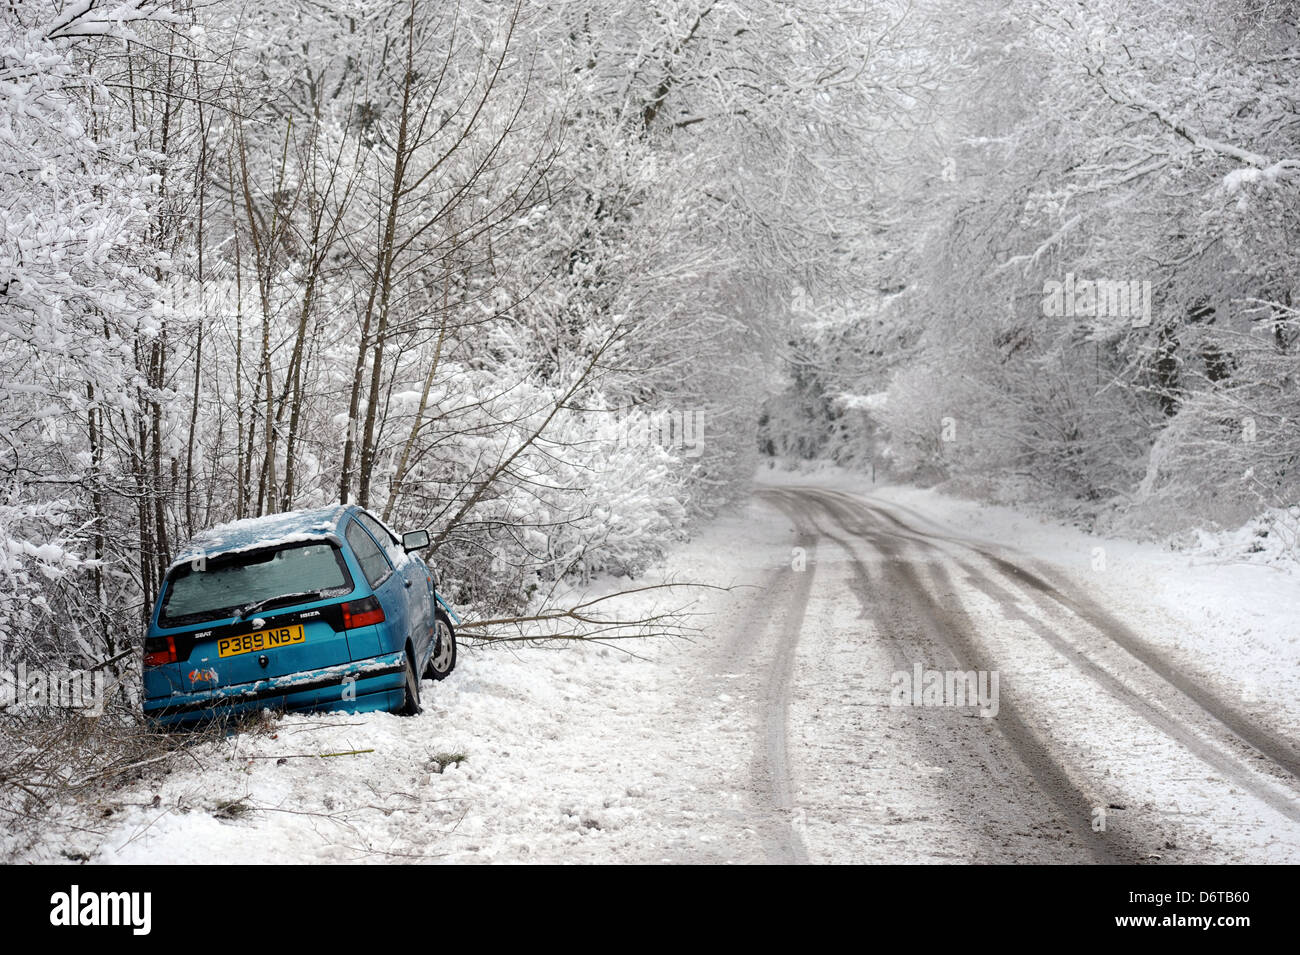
(260, 604)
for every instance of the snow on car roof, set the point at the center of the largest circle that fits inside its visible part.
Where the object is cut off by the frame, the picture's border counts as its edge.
(254, 533)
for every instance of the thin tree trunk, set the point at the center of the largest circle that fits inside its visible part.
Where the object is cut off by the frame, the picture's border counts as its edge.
(399, 475)
(241, 472)
(98, 517)
(380, 289)
(202, 177)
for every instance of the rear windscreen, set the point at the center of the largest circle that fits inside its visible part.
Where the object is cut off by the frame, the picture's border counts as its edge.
(221, 586)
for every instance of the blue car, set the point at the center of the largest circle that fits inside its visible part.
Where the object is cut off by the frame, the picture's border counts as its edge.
(310, 610)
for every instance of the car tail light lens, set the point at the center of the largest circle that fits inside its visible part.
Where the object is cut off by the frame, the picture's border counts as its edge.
(362, 613)
(160, 656)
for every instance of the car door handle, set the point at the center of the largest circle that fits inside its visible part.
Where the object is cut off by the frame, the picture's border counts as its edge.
(406, 583)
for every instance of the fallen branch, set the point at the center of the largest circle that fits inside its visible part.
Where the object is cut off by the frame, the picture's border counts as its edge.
(586, 621)
(347, 752)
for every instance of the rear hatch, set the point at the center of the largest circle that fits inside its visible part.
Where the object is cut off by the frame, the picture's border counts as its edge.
(245, 616)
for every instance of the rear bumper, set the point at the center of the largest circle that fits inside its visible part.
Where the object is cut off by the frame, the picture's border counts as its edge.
(375, 683)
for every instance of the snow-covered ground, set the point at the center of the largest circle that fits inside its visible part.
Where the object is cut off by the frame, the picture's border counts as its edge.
(521, 755)
(677, 750)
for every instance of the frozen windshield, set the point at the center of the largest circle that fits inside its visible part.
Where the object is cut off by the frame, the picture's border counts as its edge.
(222, 586)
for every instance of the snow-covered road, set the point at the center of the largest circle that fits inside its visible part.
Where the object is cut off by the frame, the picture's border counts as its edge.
(1101, 749)
(1114, 730)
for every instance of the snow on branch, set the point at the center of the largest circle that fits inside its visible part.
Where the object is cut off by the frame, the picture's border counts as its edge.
(1177, 126)
(91, 18)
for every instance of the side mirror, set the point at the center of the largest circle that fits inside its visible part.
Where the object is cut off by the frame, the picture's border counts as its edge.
(415, 540)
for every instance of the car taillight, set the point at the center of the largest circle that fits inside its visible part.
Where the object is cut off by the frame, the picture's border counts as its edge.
(362, 613)
(157, 658)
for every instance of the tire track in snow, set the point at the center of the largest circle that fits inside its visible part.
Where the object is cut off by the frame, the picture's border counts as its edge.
(762, 645)
(780, 679)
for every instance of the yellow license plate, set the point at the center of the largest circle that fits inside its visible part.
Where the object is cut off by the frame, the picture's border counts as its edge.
(271, 639)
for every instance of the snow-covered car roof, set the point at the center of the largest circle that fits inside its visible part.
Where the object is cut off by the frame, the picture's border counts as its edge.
(270, 530)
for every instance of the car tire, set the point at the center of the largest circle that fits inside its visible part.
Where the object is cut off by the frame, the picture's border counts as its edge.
(410, 689)
(443, 659)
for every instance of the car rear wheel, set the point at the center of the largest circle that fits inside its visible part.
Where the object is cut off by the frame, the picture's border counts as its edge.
(443, 660)
(410, 690)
